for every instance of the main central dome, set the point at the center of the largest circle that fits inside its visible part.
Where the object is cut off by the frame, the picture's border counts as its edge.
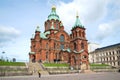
(53, 14)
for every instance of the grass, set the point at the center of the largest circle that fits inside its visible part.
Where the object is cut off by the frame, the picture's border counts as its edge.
(2, 63)
(101, 65)
(55, 64)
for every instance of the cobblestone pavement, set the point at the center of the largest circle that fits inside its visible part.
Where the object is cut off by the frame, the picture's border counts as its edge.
(82, 76)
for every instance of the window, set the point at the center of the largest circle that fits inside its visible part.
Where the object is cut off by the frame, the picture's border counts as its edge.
(75, 46)
(82, 45)
(113, 52)
(80, 33)
(48, 25)
(83, 34)
(62, 46)
(56, 25)
(62, 38)
(47, 46)
(84, 56)
(46, 55)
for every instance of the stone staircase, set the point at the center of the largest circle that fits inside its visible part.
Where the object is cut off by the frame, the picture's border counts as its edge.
(35, 67)
(88, 71)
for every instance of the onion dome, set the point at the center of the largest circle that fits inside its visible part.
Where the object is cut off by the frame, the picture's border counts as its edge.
(38, 29)
(53, 14)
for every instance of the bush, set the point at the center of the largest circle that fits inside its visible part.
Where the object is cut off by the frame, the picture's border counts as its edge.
(2, 63)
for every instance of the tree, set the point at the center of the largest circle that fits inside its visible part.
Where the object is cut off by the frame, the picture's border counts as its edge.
(14, 59)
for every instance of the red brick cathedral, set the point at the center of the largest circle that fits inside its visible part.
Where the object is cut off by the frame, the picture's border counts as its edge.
(56, 45)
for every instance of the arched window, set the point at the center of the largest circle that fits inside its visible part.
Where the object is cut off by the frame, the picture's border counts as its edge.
(76, 33)
(56, 25)
(80, 33)
(62, 38)
(47, 46)
(48, 25)
(75, 46)
(82, 45)
(62, 46)
(46, 55)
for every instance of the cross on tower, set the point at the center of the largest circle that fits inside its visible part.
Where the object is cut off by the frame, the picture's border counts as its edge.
(53, 2)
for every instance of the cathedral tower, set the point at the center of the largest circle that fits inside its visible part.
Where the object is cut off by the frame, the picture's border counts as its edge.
(79, 56)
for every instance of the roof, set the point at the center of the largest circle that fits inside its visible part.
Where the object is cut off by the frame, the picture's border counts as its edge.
(78, 51)
(68, 50)
(78, 23)
(43, 36)
(53, 14)
(61, 24)
(31, 52)
(47, 32)
(114, 45)
(38, 28)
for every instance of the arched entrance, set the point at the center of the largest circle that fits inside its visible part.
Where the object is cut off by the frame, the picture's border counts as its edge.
(83, 66)
(33, 58)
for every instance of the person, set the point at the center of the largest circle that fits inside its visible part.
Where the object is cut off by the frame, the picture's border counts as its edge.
(39, 74)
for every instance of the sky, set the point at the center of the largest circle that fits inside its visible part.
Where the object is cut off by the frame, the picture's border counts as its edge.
(19, 19)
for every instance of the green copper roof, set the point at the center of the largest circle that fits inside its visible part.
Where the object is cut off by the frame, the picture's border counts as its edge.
(78, 51)
(78, 23)
(33, 36)
(47, 32)
(68, 50)
(53, 14)
(38, 28)
(61, 24)
(43, 36)
(31, 52)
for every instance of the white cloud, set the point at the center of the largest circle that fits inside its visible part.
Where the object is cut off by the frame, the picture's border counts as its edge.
(110, 29)
(90, 11)
(7, 34)
(102, 15)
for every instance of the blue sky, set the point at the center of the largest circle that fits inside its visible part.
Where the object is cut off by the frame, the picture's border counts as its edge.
(19, 18)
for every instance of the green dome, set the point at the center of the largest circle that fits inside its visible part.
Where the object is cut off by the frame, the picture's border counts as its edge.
(53, 14)
(38, 29)
(78, 23)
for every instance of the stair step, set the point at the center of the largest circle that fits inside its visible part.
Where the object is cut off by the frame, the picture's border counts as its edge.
(35, 67)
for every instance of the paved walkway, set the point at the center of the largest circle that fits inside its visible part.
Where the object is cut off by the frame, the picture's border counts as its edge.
(82, 76)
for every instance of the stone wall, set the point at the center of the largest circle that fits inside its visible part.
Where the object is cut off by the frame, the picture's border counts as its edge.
(13, 71)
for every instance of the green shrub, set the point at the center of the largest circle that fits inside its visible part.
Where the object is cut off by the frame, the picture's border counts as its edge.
(55, 64)
(2, 63)
(98, 65)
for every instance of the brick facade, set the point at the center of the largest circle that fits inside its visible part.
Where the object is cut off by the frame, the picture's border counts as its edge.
(55, 44)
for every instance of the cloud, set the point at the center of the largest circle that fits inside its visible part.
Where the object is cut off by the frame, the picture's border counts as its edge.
(102, 15)
(90, 11)
(8, 34)
(110, 29)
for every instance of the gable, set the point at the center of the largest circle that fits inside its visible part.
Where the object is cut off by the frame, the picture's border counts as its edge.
(64, 33)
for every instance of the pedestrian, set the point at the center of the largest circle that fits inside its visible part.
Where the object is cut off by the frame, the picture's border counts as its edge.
(39, 74)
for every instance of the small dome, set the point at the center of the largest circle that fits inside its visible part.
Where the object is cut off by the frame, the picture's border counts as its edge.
(53, 7)
(38, 28)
